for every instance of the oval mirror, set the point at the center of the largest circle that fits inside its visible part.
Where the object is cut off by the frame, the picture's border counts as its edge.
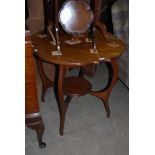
(75, 16)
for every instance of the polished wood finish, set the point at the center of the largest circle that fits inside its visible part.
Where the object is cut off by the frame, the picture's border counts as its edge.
(47, 82)
(112, 66)
(32, 115)
(71, 86)
(51, 16)
(79, 56)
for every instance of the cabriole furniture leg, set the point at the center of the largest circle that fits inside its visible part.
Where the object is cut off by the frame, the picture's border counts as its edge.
(68, 86)
(104, 94)
(34, 121)
(46, 82)
(59, 93)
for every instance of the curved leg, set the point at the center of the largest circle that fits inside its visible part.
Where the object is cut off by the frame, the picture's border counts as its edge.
(67, 101)
(44, 89)
(81, 72)
(106, 105)
(40, 131)
(88, 70)
(45, 81)
(113, 76)
(59, 93)
(34, 121)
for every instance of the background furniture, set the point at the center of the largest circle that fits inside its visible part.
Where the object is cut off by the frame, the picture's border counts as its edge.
(120, 19)
(105, 14)
(33, 118)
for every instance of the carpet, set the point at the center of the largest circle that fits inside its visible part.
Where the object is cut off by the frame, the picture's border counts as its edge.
(87, 129)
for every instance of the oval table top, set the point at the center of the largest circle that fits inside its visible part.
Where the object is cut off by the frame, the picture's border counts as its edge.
(78, 54)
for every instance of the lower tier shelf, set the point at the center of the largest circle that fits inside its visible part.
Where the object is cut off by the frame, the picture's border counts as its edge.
(76, 86)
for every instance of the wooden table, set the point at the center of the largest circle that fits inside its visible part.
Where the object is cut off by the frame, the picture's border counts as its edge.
(76, 56)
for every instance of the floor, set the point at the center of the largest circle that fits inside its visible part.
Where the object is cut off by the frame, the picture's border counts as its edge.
(87, 129)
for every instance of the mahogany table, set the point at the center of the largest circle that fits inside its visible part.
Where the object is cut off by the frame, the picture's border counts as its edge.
(76, 56)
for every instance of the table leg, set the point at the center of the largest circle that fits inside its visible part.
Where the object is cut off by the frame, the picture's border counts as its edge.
(59, 93)
(113, 76)
(46, 82)
(88, 70)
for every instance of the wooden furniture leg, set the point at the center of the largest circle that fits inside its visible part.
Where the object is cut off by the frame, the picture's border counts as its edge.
(113, 76)
(59, 93)
(46, 82)
(35, 122)
(88, 70)
(60, 97)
